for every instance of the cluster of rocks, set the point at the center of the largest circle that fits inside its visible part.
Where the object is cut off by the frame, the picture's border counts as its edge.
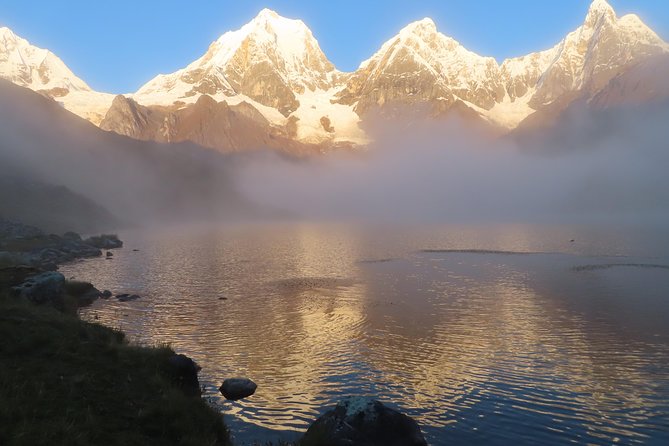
(359, 421)
(26, 245)
(29, 259)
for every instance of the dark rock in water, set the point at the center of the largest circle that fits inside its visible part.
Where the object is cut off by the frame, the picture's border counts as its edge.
(106, 294)
(42, 288)
(363, 422)
(222, 298)
(237, 388)
(185, 370)
(104, 241)
(127, 297)
(135, 250)
(110, 254)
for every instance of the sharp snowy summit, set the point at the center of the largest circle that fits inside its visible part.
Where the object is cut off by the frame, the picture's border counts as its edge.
(274, 68)
(41, 70)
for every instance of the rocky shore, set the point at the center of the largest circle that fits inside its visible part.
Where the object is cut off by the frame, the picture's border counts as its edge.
(66, 381)
(29, 260)
(141, 395)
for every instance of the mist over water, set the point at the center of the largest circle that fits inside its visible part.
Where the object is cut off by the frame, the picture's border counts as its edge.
(601, 166)
(446, 171)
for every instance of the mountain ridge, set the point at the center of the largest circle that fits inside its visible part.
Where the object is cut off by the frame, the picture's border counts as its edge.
(275, 65)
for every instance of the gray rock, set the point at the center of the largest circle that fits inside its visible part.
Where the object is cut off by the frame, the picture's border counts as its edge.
(106, 294)
(363, 422)
(237, 388)
(42, 288)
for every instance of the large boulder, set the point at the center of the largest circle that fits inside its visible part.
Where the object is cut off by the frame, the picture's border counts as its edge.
(84, 292)
(184, 370)
(43, 288)
(363, 422)
(237, 388)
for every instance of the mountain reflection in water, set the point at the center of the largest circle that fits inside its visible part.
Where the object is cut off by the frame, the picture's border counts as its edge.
(480, 346)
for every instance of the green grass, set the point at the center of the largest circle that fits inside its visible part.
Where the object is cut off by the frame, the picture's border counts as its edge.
(68, 382)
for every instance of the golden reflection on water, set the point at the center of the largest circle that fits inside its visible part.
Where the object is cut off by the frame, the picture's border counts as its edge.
(478, 347)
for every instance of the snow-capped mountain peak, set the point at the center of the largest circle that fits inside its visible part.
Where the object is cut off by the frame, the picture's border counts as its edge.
(291, 40)
(421, 64)
(599, 9)
(424, 26)
(268, 60)
(40, 70)
(35, 68)
(594, 53)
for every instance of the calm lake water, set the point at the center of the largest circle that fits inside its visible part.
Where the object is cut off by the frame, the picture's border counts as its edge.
(485, 335)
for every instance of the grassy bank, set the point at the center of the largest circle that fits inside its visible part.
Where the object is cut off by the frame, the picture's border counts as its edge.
(65, 381)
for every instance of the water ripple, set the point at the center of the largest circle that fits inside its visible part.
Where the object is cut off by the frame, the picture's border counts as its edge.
(480, 346)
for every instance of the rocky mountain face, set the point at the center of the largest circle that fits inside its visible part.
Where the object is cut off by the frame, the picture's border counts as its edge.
(418, 65)
(422, 65)
(270, 78)
(217, 125)
(645, 82)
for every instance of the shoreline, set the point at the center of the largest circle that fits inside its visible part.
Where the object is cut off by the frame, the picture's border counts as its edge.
(76, 382)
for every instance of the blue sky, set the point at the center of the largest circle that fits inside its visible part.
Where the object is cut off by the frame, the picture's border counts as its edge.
(116, 46)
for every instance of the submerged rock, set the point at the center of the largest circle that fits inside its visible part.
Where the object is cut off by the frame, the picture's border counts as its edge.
(237, 388)
(127, 297)
(363, 422)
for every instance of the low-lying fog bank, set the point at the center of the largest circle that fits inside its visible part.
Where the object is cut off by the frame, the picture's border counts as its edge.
(594, 166)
